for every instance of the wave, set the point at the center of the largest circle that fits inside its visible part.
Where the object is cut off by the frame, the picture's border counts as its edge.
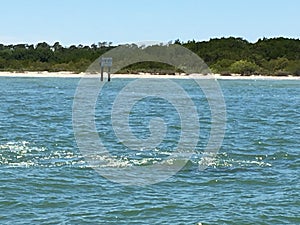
(26, 154)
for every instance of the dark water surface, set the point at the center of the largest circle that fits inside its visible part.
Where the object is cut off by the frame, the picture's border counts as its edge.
(254, 180)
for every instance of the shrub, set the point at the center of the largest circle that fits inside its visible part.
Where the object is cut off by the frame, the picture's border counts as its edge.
(243, 67)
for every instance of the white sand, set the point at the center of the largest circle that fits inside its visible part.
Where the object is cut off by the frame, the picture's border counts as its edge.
(65, 74)
(40, 74)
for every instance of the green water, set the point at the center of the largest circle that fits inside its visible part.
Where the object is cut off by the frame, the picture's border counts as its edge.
(44, 178)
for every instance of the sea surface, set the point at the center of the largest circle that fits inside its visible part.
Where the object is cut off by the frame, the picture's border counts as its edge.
(255, 178)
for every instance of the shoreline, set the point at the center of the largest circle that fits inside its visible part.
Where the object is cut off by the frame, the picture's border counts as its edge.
(66, 74)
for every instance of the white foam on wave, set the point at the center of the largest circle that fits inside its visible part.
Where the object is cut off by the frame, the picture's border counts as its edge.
(225, 160)
(26, 154)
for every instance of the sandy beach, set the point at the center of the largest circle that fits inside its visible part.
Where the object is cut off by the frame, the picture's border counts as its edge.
(66, 74)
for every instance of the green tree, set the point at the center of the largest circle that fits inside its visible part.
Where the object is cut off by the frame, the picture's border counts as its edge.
(2, 63)
(243, 67)
(222, 66)
(293, 67)
(268, 56)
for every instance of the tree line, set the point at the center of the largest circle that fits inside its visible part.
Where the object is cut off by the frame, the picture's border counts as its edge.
(267, 56)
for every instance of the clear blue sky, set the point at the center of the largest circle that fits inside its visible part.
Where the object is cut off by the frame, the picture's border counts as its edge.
(127, 21)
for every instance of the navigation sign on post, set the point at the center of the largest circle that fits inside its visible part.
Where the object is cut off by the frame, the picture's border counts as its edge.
(105, 62)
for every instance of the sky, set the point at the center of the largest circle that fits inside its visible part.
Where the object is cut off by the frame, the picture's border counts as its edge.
(129, 21)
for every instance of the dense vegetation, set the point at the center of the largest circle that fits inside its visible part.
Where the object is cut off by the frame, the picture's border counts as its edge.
(275, 56)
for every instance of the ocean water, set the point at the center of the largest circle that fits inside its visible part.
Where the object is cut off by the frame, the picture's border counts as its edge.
(44, 179)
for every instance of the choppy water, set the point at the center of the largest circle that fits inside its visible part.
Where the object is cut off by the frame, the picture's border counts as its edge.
(254, 180)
